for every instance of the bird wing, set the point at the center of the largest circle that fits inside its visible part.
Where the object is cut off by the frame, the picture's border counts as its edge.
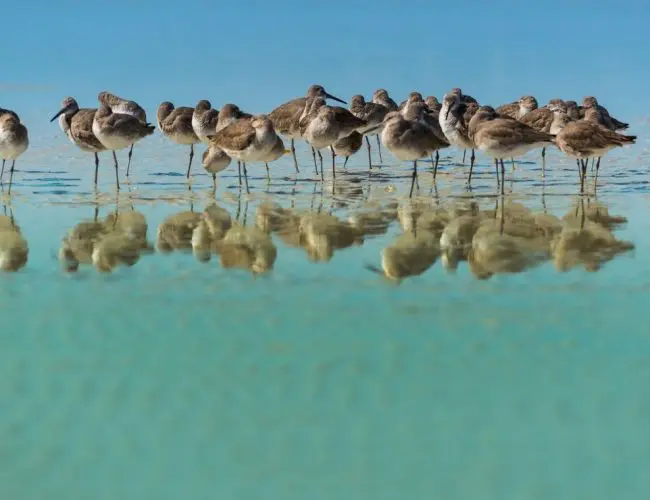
(375, 113)
(510, 133)
(236, 137)
(539, 119)
(511, 110)
(284, 117)
(81, 128)
(346, 119)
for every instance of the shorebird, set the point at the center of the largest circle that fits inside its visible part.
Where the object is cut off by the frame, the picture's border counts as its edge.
(464, 98)
(538, 118)
(13, 142)
(608, 121)
(215, 160)
(286, 117)
(347, 146)
(408, 140)
(518, 108)
(228, 114)
(501, 137)
(204, 120)
(413, 97)
(323, 125)
(118, 131)
(176, 123)
(125, 107)
(421, 112)
(583, 139)
(380, 96)
(374, 115)
(433, 104)
(247, 139)
(274, 154)
(77, 124)
(454, 126)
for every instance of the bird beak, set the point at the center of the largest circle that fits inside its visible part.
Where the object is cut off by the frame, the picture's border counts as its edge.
(61, 111)
(447, 113)
(374, 269)
(330, 96)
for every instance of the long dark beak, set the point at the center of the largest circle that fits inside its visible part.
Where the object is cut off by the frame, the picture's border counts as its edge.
(330, 96)
(61, 111)
(447, 113)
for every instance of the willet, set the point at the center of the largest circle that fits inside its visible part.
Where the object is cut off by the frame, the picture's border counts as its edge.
(118, 131)
(454, 126)
(380, 96)
(374, 115)
(433, 104)
(176, 123)
(347, 146)
(215, 160)
(13, 142)
(583, 139)
(610, 122)
(408, 140)
(125, 107)
(247, 140)
(77, 124)
(323, 125)
(286, 117)
(518, 108)
(420, 111)
(464, 98)
(413, 97)
(204, 120)
(274, 154)
(501, 137)
(229, 113)
(538, 118)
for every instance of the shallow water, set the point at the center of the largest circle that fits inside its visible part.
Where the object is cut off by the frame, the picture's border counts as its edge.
(175, 378)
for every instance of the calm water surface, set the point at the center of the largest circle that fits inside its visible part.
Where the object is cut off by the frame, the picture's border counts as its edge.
(320, 379)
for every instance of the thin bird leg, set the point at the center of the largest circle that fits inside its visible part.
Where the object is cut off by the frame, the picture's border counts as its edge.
(435, 165)
(345, 162)
(245, 176)
(413, 177)
(117, 173)
(11, 175)
(369, 157)
(579, 169)
(512, 162)
(96, 168)
(503, 176)
(583, 165)
(320, 158)
(333, 162)
(268, 175)
(313, 154)
(128, 165)
(593, 160)
(471, 168)
(543, 154)
(3, 170)
(381, 160)
(189, 166)
(295, 160)
(464, 153)
(496, 164)
(214, 180)
(239, 170)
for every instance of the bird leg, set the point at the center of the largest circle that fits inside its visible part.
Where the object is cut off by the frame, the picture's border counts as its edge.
(239, 171)
(245, 176)
(189, 166)
(11, 175)
(597, 168)
(295, 160)
(268, 175)
(381, 160)
(128, 165)
(345, 162)
(593, 160)
(117, 173)
(413, 177)
(313, 154)
(3, 170)
(214, 180)
(496, 164)
(320, 157)
(435, 165)
(464, 153)
(96, 168)
(583, 175)
(471, 168)
(369, 157)
(334, 161)
(503, 176)
(512, 161)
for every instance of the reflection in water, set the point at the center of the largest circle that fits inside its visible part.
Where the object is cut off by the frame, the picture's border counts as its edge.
(13, 247)
(106, 244)
(175, 232)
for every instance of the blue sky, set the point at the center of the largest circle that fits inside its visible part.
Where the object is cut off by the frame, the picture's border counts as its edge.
(260, 54)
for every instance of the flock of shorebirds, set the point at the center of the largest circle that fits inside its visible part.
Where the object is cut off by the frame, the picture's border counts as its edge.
(417, 128)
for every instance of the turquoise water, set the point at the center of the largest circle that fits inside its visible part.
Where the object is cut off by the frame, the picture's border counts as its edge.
(175, 378)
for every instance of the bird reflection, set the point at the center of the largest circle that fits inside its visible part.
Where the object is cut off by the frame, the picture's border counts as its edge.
(13, 247)
(210, 231)
(247, 248)
(175, 232)
(117, 240)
